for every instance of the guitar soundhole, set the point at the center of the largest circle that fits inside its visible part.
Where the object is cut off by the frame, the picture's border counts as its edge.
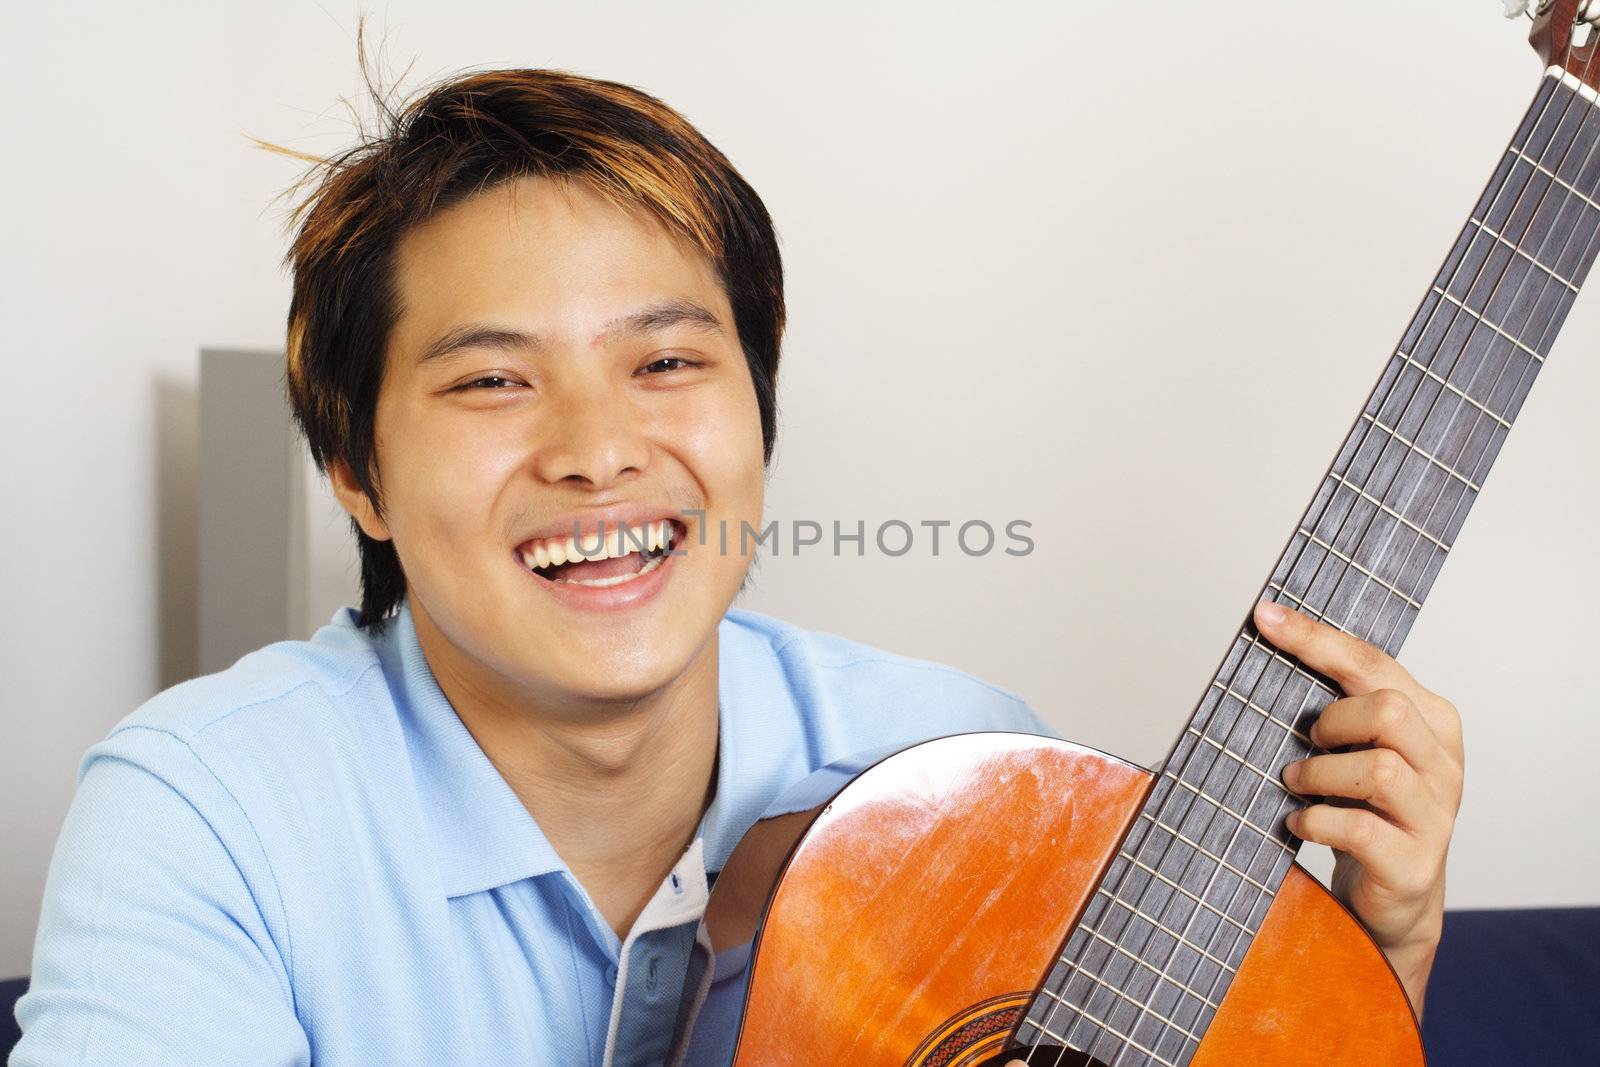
(1044, 1056)
(977, 1036)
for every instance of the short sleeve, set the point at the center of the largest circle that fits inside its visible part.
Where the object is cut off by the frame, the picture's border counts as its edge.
(154, 945)
(1029, 721)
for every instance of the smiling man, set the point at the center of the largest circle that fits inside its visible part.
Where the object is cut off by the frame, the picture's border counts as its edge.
(566, 377)
(533, 342)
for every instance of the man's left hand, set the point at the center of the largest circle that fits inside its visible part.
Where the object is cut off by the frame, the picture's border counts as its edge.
(1392, 798)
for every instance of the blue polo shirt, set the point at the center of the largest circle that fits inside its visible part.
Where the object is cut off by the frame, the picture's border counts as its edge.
(307, 859)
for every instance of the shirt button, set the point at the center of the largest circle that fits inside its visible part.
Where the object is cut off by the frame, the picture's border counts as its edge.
(611, 974)
(652, 983)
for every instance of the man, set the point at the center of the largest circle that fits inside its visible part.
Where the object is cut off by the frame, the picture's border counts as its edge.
(467, 824)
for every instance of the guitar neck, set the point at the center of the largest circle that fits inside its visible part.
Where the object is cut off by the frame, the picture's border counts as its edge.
(1153, 953)
(1394, 500)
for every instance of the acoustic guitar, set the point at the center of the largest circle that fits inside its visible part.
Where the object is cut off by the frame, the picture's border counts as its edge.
(990, 896)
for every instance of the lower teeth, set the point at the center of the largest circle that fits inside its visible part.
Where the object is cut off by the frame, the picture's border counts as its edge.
(652, 560)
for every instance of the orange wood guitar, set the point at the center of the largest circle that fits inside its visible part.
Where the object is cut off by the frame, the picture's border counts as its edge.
(991, 896)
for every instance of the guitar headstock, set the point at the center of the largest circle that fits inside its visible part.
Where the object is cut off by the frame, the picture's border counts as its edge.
(1565, 33)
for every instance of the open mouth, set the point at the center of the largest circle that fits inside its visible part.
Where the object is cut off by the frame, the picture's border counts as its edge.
(627, 553)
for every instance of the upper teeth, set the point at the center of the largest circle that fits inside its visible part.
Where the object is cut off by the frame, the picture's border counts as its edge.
(621, 541)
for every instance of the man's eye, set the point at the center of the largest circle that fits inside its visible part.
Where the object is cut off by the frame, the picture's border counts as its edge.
(487, 378)
(662, 364)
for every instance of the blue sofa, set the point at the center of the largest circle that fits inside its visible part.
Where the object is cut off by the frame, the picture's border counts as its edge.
(1509, 988)
(1515, 987)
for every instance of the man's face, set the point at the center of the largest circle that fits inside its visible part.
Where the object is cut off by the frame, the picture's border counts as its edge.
(633, 394)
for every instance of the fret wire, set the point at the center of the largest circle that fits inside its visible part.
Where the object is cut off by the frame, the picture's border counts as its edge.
(1321, 616)
(1518, 249)
(1144, 1001)
(1351, 565)
(1294, 665)
(1423, 574)
(1221, 863)
(1245, 879)
(1197, 792)
(1218, 859)
(1424, 453)
(1069, 1005)
(1507, 287)
(1554, 180)
(1551, 323)
(1119, 996)
(1361, 491)
(1448, 384)
(1201, 848)
(1345, 510)
(1325, 618)
(1224, 916)
(1338, 578)
(1043, 1029)
(1225, 750)
(1259, 710)
(1159, 925)
(1492, 326)
(1098, 936)
(1346, 514)
(1314, 539)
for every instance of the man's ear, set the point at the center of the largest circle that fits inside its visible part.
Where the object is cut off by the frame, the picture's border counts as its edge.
(355, 501)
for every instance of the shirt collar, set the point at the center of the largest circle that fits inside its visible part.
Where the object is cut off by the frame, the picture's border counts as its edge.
(482, 834)
(759, 742)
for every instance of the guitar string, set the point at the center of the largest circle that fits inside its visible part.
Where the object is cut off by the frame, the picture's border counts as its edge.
(1238, 771)
(1367, 582)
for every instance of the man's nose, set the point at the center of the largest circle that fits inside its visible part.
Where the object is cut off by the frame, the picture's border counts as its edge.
(591, 436)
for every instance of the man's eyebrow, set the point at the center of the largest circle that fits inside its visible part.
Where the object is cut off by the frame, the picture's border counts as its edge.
(660, 316)
(476, 335)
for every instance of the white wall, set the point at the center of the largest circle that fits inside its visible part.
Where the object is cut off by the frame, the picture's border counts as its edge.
(1125, 276)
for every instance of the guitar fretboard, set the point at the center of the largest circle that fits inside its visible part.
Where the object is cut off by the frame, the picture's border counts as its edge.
(1151, 958)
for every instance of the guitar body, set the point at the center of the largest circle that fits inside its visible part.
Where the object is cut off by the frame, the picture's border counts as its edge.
(897, 923)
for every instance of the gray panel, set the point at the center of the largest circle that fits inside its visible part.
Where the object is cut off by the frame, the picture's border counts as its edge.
(247, 482)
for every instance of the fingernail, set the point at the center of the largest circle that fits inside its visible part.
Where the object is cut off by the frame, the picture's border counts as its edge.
(1291, 772)
(1270, 613)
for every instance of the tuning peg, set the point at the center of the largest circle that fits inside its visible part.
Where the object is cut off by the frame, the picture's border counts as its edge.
(1515, 8)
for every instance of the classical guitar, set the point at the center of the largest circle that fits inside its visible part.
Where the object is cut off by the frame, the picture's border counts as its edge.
(988, 896)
